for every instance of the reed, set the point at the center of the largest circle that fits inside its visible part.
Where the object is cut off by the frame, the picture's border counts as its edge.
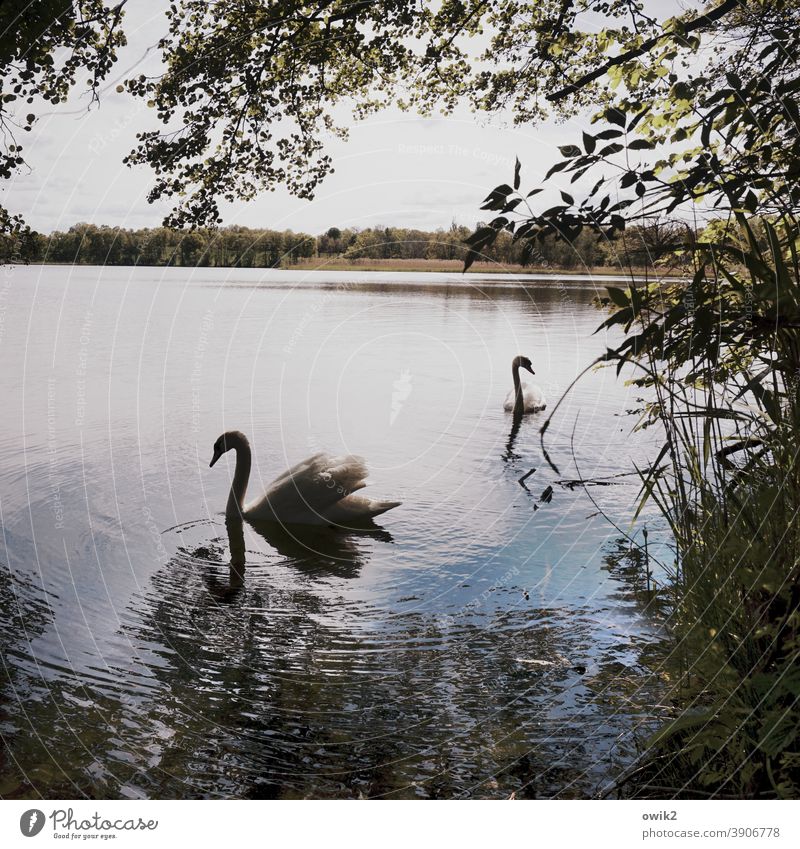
(722, 358)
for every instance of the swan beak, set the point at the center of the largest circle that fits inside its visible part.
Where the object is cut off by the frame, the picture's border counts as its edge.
(528, 368)
(217, 455)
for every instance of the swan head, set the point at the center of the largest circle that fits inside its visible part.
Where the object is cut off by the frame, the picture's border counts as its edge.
(229, 439)
(523, 362)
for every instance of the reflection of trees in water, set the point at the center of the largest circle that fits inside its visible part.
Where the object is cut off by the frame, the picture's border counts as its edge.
(550, 295)
(252, 684)
(24, 615)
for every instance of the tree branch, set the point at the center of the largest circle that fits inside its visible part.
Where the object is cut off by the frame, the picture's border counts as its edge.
(701, 22)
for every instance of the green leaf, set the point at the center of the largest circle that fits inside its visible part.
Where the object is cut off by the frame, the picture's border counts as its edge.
(496, 199)
(608, 134)
(611, 149)
(685, 722)
(570, 151)
(482, 236)
(469, 259)
(596, 186)
(618, 296)
(517, 167)
(559, 166)
(589, 143)
(636, 118)
(615, 116)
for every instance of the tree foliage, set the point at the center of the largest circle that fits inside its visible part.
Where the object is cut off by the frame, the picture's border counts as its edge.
(725, 136)
(253, 90)
(87, 244)
(45, 48)
(263, 248)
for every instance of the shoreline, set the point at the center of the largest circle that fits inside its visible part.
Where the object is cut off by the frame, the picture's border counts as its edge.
(413, 266)
(446, 266)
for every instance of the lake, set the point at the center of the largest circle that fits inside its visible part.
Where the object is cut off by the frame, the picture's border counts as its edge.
(479, 643)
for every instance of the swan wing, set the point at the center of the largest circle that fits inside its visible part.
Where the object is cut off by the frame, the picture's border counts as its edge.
(308, 490)
(355, 509)
(533, 398)
(310, 462)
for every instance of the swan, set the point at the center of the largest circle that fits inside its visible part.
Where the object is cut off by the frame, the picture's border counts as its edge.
(523, 398)
(317, 491)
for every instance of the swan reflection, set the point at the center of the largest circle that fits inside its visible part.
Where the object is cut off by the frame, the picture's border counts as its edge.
(227, 592)
(322, 550)
(509, 456)
(315, 551)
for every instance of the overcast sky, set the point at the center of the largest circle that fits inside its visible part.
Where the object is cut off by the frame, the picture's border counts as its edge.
(395, 169)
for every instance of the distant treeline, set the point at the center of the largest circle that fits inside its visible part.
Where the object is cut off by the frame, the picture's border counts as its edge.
(244, 247)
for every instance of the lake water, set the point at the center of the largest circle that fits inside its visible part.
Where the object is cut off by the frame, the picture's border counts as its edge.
(477, 644)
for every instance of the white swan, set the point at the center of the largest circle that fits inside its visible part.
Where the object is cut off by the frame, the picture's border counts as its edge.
(317, 491)
(523, 398)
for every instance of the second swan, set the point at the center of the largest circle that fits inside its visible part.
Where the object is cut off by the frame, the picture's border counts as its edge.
(523, 398)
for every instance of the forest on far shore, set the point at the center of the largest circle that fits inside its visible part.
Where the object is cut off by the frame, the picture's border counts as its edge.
(243, 247)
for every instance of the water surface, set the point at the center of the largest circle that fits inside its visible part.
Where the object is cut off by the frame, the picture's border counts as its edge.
(475, 644)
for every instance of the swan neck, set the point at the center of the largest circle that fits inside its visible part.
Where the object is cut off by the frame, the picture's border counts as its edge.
(518, 402)
(241, 476)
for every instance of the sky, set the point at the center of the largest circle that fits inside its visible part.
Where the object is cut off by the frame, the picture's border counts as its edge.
(396, 168)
